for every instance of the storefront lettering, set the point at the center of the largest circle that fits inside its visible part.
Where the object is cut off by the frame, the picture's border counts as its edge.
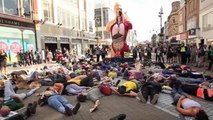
(16, 23)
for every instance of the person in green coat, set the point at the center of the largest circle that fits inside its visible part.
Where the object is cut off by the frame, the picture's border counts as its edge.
(210, 57)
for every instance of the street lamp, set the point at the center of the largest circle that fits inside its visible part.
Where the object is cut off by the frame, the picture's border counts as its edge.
(160, 16)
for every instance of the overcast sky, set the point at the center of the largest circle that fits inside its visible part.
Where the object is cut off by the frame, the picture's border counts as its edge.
(144, 14)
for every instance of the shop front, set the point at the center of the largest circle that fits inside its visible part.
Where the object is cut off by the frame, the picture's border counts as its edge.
(193, 37)
(50, 43)
(65, 43)
(209, 42)
(16, 36)
(76, 46)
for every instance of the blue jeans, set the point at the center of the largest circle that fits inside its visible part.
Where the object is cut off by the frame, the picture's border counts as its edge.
(190, 80)
(59, 103)
(34, 76)
(75, 89)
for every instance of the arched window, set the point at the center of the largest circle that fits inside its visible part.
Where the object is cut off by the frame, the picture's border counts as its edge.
(173, 20)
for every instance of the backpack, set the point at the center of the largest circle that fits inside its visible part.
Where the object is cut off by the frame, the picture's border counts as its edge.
(105, 89)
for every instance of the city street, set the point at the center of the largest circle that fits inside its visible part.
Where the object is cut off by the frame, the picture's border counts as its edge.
(99, 43)
(112, 106)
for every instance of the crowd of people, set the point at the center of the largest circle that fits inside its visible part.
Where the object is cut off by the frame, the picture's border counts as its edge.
(190, 54)
(93, 79)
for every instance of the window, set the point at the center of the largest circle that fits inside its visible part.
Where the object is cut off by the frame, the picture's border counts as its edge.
(73, 20)
(76, 21)
(47, 10)
(11, 7)
(90, 26)
(190, 6)
(173, 20)
(194, 5)
(208, 22)
(98, 17)
(1, 6)
(75, 2)
(180, 17)
(27, 9)
(85, 5)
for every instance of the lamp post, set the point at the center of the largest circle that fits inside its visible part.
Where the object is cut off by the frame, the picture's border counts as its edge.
(160, 14)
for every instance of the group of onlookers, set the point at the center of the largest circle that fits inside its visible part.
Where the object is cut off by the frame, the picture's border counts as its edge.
(200, 56)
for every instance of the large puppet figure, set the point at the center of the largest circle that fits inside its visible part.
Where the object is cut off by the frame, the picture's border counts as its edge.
(119, 28)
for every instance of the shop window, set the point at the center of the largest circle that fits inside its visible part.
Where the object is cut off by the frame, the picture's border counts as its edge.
(11, 7)
(1, 6)
(27, 8)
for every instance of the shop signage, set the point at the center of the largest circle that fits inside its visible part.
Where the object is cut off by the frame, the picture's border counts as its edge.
(3, 46)
(192, 32)
(86, 41)
(76, 41)
(184, 36)
(15, 23)
(15, 47)
(64, 40)
(50, 39)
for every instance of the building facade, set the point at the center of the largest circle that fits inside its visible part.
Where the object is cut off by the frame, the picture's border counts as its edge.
(173, 21)
(64, 24)
(17, 29)
(206, 21)
(192, 10)
(103, 14)
(183, 32)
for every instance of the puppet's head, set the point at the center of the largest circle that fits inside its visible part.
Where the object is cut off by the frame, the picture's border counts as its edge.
(117, 9)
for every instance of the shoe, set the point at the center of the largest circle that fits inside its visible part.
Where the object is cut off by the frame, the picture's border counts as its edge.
(68, 111)
(15, 89)
(28, 112)
(154, 99)
(119, 117)
(116, 84)
(34, 106)
(76, 108)
(141, 98)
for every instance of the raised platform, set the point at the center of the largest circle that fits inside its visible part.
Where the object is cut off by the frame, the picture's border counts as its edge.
(120, 59)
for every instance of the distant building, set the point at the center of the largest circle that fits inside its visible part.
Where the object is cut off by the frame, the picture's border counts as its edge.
(103, 14)
(206, 21)
(173, 21)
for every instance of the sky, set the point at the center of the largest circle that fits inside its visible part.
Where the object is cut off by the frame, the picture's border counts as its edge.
(143, 14)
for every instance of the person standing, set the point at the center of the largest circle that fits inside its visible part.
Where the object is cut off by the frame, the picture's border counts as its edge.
(98, 53)
(103, 53)
(22, 55)
(135, 52)
(183, 54)
(201, 54)
(188, 54)
(140, 52)
(210, 57)
(149, 52)
(193, 54)
(3, 61)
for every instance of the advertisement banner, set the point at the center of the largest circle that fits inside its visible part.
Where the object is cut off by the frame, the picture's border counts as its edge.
(4, 46)
(15, 47)
(29, 47)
